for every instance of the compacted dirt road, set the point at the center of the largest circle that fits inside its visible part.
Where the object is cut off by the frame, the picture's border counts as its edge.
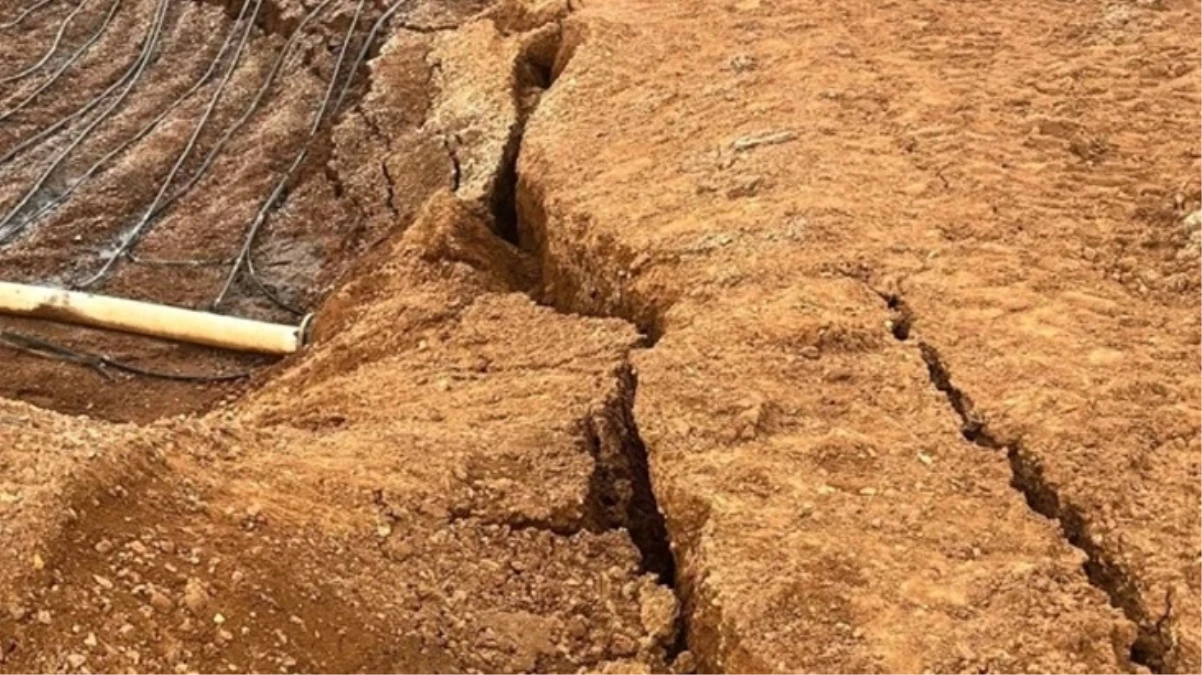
(760, 335)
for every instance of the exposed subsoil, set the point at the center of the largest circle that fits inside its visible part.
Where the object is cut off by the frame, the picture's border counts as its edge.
(185, 250)
(650, 337)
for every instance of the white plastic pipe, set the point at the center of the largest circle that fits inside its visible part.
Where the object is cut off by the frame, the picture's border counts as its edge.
(145, 318)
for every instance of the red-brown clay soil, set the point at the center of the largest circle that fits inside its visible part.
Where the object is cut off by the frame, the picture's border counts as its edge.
(757, 335)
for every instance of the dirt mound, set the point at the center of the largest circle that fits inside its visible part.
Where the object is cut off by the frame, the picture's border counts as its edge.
(358, 522)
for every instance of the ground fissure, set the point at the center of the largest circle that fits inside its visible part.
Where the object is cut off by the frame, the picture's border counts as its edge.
(1102, 570)
(588, 565)
(620, 489)
(599, 380)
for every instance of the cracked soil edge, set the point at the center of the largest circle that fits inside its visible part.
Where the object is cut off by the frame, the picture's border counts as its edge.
(620, 491)
(1104, 571)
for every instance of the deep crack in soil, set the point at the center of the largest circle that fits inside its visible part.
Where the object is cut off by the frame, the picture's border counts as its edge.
(617, 510)
(1103, 571)
(592, 387)
(620, 488)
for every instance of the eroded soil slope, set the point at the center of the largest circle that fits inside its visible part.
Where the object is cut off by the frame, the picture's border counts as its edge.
(156, 190)
(742, 336)
(449, 480)
(399, 515)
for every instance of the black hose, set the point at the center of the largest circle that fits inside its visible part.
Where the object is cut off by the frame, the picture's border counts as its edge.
(277, 194)
(138, 68)
(58, 38)
(75, 56)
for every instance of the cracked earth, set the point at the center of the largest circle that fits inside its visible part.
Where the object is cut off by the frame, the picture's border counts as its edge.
(746, 336)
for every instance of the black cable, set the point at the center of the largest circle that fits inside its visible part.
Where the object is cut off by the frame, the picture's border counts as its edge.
(277, 194)
(52, 350)
(58, 39)
(268, 82)
(125, 145)
(79, 112)
(7, 232)
(23, 14)
(75, 56)
(131, 237)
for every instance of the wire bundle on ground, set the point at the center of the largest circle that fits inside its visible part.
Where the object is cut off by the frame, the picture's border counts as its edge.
(80, 124)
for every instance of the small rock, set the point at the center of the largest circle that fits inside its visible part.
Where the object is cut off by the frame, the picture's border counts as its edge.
(741, 63)
(622, 645)
(104, 546)
(90, 640)
(658, 610)
(195, 596)
(773, 138)
(76, 660)
(685, 663)
(218, 619)
(43, 617)
(102, 582)
(160, 601)
(868, 491)
(1192, 222)
(745, 186)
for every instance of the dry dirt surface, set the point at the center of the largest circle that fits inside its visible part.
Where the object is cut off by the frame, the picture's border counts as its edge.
(737, 336)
